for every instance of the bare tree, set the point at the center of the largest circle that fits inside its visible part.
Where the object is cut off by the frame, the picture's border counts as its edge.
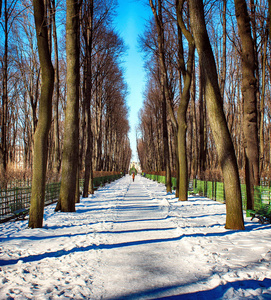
(57, 162)
(28, 65)
(88, 36)
(249, 89)
(9, 9)
(45, 116)
(234, 216)
(263, 101)
(68, 189)
(224, 51)
(158, 16)
(181, 124)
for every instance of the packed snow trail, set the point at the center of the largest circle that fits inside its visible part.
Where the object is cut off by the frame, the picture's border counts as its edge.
(131, 240)
(142, 246)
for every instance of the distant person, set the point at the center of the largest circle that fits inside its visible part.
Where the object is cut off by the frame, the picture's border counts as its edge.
(133, 176)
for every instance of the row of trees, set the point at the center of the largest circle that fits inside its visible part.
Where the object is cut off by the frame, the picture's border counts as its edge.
(208, 110)
(63, 109)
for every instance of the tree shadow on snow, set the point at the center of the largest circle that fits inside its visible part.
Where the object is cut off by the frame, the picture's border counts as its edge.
(230, 288)
(224, 291)
(62, 252)
(251, 226)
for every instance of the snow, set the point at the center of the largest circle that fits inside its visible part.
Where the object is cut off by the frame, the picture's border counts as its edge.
(132, 240)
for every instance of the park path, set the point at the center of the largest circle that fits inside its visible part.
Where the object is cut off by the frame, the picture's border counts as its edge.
(142, 252)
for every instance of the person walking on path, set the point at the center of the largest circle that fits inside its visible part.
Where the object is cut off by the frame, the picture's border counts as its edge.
(133, 176)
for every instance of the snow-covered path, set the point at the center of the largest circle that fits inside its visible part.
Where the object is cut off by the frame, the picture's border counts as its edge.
(141, 247)
(133, 241)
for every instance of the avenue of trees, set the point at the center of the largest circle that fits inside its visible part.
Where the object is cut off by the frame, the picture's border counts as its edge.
(206, 112)
(63, 96)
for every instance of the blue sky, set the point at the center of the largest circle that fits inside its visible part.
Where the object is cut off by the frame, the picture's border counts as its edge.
(132, 16)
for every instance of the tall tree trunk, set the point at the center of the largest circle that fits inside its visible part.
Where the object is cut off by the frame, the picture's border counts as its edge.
(88, 160)
(57, 161)
(184, 100)
(177, 164)
(157, 12)
(67, 197)
(202, 126)
(225, 150)
(166, 146)
(249, 89)
(262, 103)
(88, 182)
(224, 49)
(45, 117)
(194, 132)
(4, 150)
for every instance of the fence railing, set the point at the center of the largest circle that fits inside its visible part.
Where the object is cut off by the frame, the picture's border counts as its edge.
(209, 189)
(17, 198)
(215, 191)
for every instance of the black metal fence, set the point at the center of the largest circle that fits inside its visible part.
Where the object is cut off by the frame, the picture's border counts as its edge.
(18, 198)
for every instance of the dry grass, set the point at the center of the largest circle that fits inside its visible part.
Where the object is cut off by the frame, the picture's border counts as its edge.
(14, 176)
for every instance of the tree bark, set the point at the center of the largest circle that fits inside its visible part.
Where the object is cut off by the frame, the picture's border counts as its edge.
(57, 162)
(67, 197)
(164, 81)
(3, 147)
(224, 47)
(166, 147)
(194, 131)
(249, 89)
(186, 72)
(262, 103)
(234, 213)
(88, 160)
(202, 126)
(45, 117)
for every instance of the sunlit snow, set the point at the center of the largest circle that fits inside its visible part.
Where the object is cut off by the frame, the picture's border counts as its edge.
(131, 240)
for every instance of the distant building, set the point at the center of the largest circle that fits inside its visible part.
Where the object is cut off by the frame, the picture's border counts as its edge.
(136, 165)
(19, 157)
